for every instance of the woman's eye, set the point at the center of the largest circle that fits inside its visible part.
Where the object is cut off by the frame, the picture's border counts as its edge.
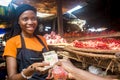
(25, 19)
(34, 19)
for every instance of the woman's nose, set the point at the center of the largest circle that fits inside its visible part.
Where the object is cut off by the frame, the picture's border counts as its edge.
(30, 21)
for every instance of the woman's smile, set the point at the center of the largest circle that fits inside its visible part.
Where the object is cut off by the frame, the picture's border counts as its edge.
(31, 28)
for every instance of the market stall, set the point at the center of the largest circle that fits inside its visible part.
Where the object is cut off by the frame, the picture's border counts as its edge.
(100, 51)
(72, 37)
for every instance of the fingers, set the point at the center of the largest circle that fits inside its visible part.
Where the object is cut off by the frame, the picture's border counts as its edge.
(58, 63)
(70, 76)
(50, 75)
(41, 69)
(39, 66)
(45, 63)
(63, 61)
(42, 64)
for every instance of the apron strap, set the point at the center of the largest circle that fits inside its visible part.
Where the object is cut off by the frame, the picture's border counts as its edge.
(22, 42)
(40, 41)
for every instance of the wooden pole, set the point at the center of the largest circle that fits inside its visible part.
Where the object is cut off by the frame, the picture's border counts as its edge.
(59, 17)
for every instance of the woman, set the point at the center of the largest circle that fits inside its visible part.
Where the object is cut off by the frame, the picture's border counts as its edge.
(23, 51)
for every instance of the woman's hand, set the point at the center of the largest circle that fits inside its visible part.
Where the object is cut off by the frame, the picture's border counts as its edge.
(35, 67)
(40, 67)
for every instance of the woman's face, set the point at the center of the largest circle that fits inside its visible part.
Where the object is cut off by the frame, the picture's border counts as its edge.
(28, 22)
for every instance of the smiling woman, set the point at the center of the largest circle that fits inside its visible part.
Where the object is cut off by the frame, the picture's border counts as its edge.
(28, 22)
(19, 50)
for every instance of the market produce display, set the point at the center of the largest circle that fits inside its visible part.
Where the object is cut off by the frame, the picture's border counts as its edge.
(54, 38)
(96, 50)
(99, 43)
(89, 34)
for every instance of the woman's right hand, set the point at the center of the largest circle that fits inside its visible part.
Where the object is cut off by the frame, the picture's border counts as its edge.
(35, 67)
(40, 67)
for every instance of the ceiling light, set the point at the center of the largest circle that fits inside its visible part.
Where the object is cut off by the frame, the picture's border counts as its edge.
(77, 7)
(96, 30)
(74, 9)
(5, 2)
(43, 15)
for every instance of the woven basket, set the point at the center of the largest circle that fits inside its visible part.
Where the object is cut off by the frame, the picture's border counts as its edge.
(100, 58)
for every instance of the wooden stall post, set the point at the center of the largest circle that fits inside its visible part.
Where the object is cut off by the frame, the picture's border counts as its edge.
(59, 17)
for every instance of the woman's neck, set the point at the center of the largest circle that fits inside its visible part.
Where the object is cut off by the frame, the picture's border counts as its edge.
(27, 35)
